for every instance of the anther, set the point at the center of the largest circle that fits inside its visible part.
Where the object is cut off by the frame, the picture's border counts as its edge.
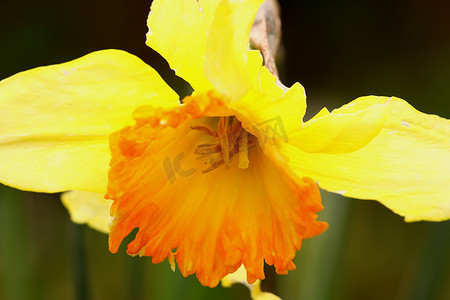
(205, 129)
(213, 166)
(208, 149)
(229, 139)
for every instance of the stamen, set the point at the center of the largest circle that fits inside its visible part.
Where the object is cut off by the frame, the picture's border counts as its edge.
(214, 165)
(205, 129)
(222, 132)
(243, 150)
(206, 145)
(208, 149)
(234, 133)
(229, 139)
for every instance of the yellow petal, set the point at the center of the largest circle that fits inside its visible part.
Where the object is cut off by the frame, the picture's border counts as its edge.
(272, 113)
(254, 66)
(269, 111)
(322, 113)
(344, 130)
(240, 276)
(88, 208)
(406, 166)
(208, 7)
(226, 64)
(56, 120)
(51, 164)
(178, 30)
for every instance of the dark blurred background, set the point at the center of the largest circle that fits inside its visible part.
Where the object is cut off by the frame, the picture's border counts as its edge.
(338, 50)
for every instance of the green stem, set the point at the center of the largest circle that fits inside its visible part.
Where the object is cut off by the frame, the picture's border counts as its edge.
(318, 260)
(136, 278)
(18, 274)
(79, 262)
(321, 267)
(430, 268)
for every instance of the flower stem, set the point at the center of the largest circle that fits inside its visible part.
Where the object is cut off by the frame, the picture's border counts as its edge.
(79, 270)
(426, 278)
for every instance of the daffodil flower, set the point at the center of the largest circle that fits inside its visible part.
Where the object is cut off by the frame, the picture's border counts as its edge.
(228, 177)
